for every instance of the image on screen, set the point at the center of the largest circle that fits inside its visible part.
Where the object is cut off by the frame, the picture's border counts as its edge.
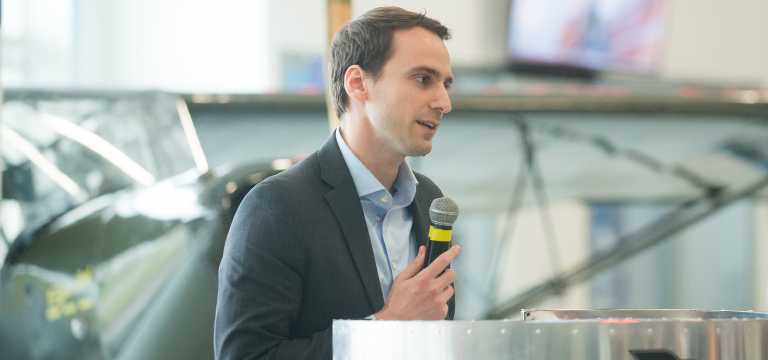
(611, 35)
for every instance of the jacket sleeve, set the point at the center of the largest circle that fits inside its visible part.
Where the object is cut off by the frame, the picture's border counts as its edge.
(260, 285)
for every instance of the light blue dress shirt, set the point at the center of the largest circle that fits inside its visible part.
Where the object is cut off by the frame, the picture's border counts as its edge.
(387, 216)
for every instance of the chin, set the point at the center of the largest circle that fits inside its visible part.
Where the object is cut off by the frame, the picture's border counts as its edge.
(420, 150)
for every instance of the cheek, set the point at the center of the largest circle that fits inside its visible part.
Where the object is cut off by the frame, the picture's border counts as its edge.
(394, 109)
(404, 103)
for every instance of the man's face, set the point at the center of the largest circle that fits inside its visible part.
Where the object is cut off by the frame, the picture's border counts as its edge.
(408, 100)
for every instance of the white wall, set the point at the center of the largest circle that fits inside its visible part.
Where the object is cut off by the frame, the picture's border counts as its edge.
(37, 41)
(227, 41)
(176, 44)
(718, 40)
(237, 45)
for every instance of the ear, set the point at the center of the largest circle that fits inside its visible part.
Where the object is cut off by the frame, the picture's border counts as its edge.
(354, 83)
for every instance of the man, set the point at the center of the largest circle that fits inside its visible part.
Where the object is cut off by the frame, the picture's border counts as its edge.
(345, 229)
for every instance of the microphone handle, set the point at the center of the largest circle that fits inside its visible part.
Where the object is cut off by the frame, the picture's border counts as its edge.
(439, 241)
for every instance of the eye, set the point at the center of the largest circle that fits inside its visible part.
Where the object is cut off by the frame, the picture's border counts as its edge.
(423, 79)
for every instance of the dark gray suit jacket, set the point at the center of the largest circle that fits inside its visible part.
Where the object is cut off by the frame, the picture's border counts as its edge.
(297, 256)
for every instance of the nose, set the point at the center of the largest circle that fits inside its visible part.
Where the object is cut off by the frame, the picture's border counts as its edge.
(442, 101)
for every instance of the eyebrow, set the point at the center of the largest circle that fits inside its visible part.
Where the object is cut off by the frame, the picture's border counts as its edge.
(433, 72)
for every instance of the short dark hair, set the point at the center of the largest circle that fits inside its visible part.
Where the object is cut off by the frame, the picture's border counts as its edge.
(367, 42)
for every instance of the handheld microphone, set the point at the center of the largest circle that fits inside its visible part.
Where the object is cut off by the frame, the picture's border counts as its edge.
(442, 214)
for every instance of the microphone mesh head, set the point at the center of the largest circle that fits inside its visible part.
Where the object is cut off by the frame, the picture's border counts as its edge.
(443, 211)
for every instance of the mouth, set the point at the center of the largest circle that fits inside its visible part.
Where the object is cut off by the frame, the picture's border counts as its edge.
(427, 124)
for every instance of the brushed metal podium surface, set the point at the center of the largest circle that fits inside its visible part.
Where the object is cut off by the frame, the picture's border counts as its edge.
(562, 334)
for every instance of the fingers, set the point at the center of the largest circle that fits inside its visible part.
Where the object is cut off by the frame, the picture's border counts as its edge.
(441, 263)
(446, 295)
(422, 294)
(414, 266)
(445, 280)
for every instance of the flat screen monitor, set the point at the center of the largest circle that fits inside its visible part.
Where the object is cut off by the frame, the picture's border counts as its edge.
(586, 36)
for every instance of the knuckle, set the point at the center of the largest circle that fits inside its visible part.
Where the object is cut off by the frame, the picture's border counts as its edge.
(440, 263)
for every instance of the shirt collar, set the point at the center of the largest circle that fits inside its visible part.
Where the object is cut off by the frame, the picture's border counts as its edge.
(366, 183)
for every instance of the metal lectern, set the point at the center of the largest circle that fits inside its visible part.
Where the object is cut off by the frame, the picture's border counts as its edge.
(562, 335)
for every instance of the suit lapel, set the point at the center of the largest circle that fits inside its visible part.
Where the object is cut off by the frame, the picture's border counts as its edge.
(345, 205)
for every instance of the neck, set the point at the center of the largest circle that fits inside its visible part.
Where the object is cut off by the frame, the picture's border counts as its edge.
(382, 161)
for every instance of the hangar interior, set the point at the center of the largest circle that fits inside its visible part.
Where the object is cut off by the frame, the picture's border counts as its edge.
(642, 189)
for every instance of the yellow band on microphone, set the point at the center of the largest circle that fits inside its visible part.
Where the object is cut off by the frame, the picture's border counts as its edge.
(441, 235)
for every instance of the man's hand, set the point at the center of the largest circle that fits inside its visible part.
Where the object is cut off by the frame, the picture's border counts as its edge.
(421, 295)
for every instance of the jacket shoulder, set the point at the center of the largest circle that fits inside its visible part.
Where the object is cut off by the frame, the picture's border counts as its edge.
(427, 186)
(298, 182)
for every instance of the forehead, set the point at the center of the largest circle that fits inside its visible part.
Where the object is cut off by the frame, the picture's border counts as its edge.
(418, 47)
